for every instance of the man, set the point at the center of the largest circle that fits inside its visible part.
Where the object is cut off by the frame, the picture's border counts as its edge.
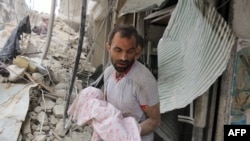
(98, 76)
(128, 84)
(139, 48)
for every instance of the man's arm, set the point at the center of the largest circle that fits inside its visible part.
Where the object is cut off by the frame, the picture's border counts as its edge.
(153, 119)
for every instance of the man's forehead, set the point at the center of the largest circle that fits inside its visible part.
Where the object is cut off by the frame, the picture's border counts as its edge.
(120, 34)
(123, 40)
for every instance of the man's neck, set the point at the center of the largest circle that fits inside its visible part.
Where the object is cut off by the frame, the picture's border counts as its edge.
(120, 75)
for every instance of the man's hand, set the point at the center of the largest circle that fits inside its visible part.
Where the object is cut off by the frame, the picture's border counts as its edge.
(153, 119)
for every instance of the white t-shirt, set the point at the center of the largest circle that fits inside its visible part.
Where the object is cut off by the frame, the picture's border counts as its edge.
(136, 89)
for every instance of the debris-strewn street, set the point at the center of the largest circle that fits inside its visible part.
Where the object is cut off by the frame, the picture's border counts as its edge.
(45, 116)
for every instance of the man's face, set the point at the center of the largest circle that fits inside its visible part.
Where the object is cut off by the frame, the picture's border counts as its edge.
(122, 52)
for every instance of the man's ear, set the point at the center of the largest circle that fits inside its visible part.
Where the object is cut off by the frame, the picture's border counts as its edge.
(108, 46)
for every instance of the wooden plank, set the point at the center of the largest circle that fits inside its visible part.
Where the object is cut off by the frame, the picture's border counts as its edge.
(41, 84)
(201, 106)
(211, 112)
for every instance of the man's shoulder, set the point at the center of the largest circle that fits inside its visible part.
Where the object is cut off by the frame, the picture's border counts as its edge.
(141, 75)
(141, 70)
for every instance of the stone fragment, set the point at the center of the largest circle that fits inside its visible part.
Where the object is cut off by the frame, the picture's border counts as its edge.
(53, 120)
(60, 101)
(58, 111)
(30, 136)
(38, 109)
(48, 105)
(61, 93)
(60, 86)
(42, 118)
(26, 128)
(32, 115)
(60, 130)
(40, 138)
(38, 77)
(76, 136)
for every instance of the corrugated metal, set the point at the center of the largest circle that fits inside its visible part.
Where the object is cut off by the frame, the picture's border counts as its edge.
(192, 53)
(131, 6)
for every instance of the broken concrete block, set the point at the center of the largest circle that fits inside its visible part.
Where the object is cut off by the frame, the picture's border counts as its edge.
(38, 109)
(60, 93)
(26, 128)
(44, 128)
(60, 86)
(32, 67)
(53, 120)
(68, 139)
(30, 136)
(42, 118)
(60, 101)
(76, 136)
(89, 129)
(60, 75)
(48, 105)
(34, 126)
(60, 130)
(40, 138)
(21, 62)
(32, 115)
(58, 111)
(26, 63)
(38, 76)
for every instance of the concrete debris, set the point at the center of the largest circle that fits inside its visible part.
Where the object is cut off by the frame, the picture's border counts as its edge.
(16, 73)
(42, 28)
(47, 104)
(24, 62)
(44, 119)
(58, 111)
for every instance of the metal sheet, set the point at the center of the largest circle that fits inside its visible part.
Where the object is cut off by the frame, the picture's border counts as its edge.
(192, 53)
(14, 103)
(166, 11)
(132, 6)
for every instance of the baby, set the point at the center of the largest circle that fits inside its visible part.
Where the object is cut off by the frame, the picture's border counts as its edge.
(108, 123)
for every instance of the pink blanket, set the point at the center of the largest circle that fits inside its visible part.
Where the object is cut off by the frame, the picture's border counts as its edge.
(107, 121)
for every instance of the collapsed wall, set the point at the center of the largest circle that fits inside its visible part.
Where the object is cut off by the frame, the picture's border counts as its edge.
(12, 10)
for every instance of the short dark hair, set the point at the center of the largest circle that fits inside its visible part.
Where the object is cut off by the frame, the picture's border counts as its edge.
(125, 30)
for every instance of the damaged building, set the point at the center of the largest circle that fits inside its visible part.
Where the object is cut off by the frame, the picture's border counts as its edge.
(198, 50)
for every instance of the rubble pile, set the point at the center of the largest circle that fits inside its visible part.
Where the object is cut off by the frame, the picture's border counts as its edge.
(44, 119)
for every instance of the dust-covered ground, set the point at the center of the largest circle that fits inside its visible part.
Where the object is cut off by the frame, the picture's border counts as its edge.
(45, 117)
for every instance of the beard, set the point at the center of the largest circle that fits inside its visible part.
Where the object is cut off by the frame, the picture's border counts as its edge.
(121, 66)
